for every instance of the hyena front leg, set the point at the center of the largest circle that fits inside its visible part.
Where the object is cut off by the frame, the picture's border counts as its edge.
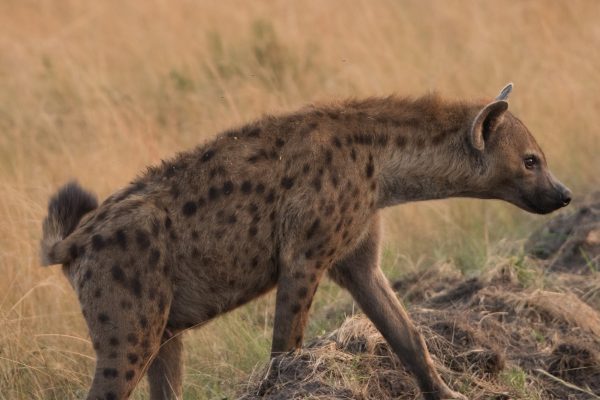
(359, 272)
(297, 283)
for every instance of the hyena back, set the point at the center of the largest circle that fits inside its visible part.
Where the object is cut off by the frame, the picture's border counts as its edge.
(279, 202)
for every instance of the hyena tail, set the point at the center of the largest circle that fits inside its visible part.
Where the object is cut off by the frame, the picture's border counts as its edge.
(65, 210)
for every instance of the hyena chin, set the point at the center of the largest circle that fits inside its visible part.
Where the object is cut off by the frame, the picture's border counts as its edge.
(279, 202)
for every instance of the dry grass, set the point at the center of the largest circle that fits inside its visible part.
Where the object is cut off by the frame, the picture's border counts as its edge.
(98, 90)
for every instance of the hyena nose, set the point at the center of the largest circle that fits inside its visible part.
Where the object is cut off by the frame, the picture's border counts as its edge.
(566, 197)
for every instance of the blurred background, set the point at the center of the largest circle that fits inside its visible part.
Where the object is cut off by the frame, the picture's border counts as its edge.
(99, 90)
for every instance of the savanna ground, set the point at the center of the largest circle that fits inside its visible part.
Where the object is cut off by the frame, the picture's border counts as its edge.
(99, 90)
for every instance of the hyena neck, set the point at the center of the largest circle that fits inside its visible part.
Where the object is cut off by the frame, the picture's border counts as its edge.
(420, 148)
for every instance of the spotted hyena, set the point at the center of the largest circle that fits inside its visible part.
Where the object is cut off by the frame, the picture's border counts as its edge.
(279, 202)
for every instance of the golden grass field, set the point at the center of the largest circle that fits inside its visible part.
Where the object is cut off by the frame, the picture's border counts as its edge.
(99, 90)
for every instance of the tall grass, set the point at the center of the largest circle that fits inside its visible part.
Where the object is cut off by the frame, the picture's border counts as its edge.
(98, 90)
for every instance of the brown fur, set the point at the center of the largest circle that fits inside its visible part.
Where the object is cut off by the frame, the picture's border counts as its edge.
(279, 202)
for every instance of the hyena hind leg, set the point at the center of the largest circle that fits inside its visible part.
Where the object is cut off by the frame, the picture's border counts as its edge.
(166, 371)
(126, 333)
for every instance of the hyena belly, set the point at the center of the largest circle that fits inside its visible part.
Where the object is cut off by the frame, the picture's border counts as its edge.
(223, 256)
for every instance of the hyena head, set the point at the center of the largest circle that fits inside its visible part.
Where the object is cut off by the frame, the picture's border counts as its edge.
(517, 170)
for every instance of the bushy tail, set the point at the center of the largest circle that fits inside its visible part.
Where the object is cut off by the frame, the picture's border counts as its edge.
(65, 210)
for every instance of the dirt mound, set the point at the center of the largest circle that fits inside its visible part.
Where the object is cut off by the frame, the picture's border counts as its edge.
(571, 242)
(527, 329)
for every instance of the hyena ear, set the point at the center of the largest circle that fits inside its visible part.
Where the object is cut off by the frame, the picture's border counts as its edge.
(505, 92)
(486, 122)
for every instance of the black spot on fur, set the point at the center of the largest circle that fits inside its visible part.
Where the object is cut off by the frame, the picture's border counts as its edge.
(305, 168)
(302, 292)
(228, 188)
(142, 239)
(132, 339)
(252, 231)
(129, 375)
(98, 242)
(132, 357)
(153, 258)
(363, 139)
(110, 396)
(189, 208)
(316, 183)
(168, 222)
(279, 142)
(252, 208)
(136, 287)
(336, 142)
(101, 216)
(287, 182)
(260, 188)
(117, 273)
(213, 193)
(144, 323)
(103, 318)
(333, 115)
(382, 140)
(162, 304)
(73, 251)
(219, 170)
(353, 154)
(232, 219)
(333, 178)
(338, 227)
(98, 293)
(113, 341)
(270, 197)
(211, 313)
(401, 141)
(252, 132)
(370, 168)
(313, 228)
(328, 157)
(209, 154)
(110, 373)
(246, 187)
(174, 191)
(308, 128)
(132, 189)
(296, 308)
(121, 239)
(439, 138)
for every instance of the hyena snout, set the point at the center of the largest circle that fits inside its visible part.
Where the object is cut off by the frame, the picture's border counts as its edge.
(549, 196)
(563, 194)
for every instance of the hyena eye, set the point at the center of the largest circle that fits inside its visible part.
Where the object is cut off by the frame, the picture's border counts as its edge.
(530, 162)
